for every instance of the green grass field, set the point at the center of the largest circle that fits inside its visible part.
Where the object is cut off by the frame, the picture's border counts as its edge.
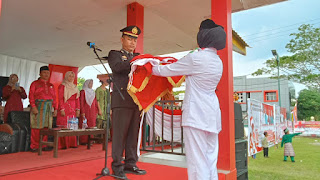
(306, 167)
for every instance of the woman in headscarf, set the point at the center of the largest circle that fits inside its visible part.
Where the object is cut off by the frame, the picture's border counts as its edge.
(201, 116)
(89, 107)
(69, 107)
(12, 94)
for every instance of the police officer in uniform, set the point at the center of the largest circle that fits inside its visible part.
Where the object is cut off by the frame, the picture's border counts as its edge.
(125, 113)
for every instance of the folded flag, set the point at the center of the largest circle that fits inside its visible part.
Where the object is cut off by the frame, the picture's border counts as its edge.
(145, 88)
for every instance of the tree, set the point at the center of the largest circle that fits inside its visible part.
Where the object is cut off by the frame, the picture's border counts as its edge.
(80, 83)
(308, 104)
(304, 65)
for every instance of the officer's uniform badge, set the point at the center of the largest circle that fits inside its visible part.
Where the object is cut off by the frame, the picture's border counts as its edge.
(124, 58)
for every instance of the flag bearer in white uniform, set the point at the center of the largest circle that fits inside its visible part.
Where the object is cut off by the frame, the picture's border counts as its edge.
(201, 116)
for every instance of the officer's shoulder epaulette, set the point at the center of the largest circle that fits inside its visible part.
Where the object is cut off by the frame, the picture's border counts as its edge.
(115, 51)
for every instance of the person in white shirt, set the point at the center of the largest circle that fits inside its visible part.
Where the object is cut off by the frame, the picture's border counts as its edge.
(201, 116)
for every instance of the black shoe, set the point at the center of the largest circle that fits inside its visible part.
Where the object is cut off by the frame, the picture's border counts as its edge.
(120, 175)
(135, 170)
(34, 150)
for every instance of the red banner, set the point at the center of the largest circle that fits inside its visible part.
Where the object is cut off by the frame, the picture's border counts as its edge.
(309, 128)
(57, 73)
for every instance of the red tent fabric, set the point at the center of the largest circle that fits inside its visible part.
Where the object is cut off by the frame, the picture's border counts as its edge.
(144, 88)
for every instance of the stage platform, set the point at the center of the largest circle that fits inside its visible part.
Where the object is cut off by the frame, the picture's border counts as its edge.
(80, 163)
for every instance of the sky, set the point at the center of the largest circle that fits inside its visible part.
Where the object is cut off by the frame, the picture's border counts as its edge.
(264, 29)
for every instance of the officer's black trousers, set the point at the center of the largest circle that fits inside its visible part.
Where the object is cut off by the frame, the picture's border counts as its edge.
(125, 124)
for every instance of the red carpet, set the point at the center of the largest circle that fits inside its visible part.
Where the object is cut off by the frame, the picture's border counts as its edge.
(25, 161)
(88, 170)
(72, 164)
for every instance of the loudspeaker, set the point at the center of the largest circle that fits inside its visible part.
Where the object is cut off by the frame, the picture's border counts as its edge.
(238, 122)
(5, 143)
(19, 117)
(20, 123)
(241, 158)
(242, 174)
(3, 82)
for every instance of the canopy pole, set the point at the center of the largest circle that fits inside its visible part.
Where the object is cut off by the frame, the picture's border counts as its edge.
(135, 17)
(221, 14)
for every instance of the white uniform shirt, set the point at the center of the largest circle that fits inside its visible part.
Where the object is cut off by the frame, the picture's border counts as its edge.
(203, 71)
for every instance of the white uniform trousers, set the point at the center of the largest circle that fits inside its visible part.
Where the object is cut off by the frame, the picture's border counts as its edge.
(202, 153)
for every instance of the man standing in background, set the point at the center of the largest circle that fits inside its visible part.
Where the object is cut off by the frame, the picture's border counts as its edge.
(42, 99)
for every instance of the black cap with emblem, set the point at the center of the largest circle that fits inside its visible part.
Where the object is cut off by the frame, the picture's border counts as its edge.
(132, 31)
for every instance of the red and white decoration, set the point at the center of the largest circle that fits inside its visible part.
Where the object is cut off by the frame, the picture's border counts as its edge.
(169, 120)
(264, 117)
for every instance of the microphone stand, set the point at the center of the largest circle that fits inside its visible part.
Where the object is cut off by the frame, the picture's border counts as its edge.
(105, 171)
(109, 75)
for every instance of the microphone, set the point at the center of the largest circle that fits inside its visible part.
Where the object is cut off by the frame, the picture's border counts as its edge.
(92, 45)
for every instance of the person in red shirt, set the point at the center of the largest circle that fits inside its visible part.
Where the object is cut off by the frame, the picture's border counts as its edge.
(69, 106)
(13, 93)
(42, 99)
(89, 107)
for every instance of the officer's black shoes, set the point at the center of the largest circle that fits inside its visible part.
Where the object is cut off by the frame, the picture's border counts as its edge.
(135, 170)
(120, 175)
